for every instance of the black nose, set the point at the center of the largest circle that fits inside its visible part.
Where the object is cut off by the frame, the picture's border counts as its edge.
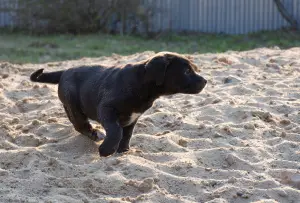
(203, 81)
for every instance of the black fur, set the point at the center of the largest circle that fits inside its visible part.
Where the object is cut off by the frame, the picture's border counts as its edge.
(109, 95)
(39, 76)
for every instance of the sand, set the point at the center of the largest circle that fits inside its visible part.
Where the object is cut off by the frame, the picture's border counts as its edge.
(237, 141)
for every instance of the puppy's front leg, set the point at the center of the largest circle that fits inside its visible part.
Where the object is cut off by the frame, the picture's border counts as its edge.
(127, 133)
(108, 119)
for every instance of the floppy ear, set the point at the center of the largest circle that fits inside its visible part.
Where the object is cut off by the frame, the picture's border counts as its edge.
(156, 69)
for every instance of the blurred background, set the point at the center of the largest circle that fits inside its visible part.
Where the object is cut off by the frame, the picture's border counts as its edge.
(37, 31)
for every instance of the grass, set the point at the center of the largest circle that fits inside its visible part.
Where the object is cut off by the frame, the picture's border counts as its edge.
(22, 48)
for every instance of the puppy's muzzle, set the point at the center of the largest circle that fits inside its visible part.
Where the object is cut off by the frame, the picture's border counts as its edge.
(201, 84)
(197, 85)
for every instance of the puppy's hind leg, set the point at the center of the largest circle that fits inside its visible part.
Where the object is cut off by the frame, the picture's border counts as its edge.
(81, 123)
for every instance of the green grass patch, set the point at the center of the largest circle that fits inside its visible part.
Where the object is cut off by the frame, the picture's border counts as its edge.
(24, 48)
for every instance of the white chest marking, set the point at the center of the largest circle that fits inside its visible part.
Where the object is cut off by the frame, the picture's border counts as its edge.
(133, 117)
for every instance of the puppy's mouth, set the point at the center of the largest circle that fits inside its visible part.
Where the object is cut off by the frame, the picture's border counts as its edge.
(194, 88)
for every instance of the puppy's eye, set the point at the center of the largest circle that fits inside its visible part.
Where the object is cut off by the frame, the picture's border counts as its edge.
(188, 71)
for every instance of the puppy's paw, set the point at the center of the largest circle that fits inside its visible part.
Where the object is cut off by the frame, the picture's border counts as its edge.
(105, 151)
(123, 149)
(97, 136)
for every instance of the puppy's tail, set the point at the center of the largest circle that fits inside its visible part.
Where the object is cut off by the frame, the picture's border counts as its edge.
(39, 76)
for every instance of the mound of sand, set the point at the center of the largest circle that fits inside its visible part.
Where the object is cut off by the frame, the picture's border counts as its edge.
(237, 141)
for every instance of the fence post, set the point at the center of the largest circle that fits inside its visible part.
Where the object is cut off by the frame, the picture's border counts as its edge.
(285, 14)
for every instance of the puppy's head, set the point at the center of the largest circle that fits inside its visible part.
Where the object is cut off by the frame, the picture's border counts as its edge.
(174, 74)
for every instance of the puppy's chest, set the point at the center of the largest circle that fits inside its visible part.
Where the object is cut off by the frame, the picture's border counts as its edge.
(126, 120)
(137, 107)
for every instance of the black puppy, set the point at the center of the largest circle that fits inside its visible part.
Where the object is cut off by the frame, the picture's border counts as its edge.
(116, 97)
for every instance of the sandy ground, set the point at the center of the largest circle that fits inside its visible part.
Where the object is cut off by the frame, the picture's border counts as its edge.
(237, 141)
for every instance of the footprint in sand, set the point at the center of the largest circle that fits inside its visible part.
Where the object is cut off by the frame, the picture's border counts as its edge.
(31, 140)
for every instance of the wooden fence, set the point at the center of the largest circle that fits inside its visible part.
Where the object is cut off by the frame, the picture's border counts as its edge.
(212, 16)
